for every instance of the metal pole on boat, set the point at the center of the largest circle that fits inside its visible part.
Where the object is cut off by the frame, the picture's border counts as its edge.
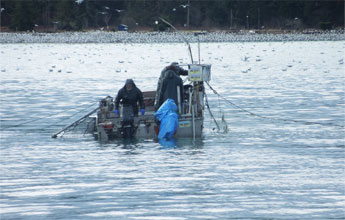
(190, 101)
(193, 122)
(179, 100)
(199, 48)
(181, 35)
(197, 34)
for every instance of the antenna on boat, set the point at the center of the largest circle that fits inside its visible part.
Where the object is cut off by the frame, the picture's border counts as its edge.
(197, 34)
(181, 35)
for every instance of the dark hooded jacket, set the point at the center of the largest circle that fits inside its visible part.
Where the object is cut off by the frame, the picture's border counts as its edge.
(130, 97)
(176, 68)
(169, 88)
(172, 67)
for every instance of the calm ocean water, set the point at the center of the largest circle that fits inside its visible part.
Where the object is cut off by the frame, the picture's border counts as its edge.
(260, 169)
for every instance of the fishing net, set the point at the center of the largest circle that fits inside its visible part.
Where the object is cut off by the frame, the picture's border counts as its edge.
(84, 125)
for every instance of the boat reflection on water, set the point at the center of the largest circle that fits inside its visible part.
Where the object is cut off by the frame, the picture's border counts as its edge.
(133, 144)
(181, 143)
(167, 143)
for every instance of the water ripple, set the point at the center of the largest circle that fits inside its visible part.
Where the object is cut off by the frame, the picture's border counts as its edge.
(260, 169)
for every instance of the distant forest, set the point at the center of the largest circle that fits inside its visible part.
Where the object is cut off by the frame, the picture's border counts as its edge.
(76, 15)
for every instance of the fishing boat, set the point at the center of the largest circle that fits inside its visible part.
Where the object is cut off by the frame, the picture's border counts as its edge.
(107, 125)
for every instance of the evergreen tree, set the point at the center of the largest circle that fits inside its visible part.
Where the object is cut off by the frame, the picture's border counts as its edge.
(23, 18)
(22, 15)
(70, 15)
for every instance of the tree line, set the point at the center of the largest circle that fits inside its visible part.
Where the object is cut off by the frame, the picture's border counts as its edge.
(73, 15)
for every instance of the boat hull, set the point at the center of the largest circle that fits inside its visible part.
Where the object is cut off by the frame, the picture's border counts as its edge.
(145, 127)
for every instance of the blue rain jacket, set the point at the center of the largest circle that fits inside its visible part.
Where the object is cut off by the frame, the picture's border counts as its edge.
(168, 117)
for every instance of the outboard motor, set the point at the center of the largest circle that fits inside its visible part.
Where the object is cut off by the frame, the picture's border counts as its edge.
(106, 107)
(127, 124)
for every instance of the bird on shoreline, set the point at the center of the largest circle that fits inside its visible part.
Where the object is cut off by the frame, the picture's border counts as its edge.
(79, 1)
(155, 37)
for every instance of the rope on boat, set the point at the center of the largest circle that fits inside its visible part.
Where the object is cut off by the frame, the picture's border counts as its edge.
(209, 110)
(181, 35)
(48, 116)
(72, 115)
(271, 118)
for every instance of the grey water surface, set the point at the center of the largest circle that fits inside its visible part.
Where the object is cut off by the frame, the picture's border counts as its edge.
(290, 166)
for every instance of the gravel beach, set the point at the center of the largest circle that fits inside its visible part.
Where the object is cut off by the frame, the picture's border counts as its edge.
(165, 37)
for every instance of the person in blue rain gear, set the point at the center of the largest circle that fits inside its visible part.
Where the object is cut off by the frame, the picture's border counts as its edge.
(168, 119)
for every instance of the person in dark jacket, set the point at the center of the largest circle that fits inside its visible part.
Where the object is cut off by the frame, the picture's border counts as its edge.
(130, 95)
(179, 71)
(169, 89)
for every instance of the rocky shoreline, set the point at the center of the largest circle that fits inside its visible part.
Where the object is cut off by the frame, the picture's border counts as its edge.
(165, 37)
